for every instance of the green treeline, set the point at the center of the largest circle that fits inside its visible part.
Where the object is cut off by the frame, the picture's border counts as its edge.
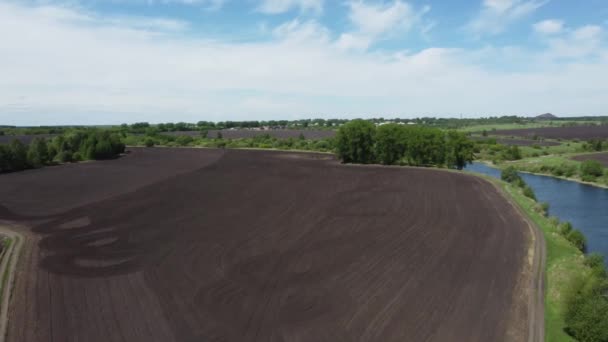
(360, 141)
(586, 300)
(73, 146)
(262, 141)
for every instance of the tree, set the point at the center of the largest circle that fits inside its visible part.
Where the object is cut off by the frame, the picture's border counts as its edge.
(510, 175)
(38, 153)
(18, 156)
(355, 142)
(459, 150)
(390, 143)
(4, 158)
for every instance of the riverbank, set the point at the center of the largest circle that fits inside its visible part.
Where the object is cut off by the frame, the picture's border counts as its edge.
(563, 263)
(534, 165)
(537, 259)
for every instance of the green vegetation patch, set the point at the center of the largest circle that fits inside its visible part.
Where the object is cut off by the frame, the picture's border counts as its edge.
(575, 286)
(71, 146)
(360, 141)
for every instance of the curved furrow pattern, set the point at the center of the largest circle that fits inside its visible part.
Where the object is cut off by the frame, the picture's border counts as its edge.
(265, 246)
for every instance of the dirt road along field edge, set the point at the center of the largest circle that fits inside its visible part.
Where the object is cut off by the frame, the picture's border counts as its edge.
(7, 273)
(536, 306)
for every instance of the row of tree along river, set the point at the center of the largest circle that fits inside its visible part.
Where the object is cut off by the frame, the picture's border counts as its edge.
(585, 206)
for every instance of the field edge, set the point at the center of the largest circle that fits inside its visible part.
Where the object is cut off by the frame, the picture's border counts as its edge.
(562, 263)
(8, 264)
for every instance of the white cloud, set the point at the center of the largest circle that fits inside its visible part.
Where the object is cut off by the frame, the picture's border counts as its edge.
(58, 71)
(210, 4)
(296, 31)
(588, 32)
(583, 42)
(496, 15)
(379, 18)
(282, 6)
(350, 41)
(78, 16)
(550, 26)
(373, 21)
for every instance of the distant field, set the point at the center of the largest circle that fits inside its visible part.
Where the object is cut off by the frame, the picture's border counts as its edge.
(226, 245)
(600, 157)
(246, 133)
(521, 142)
(26, 139)
(567, 133)
(514, 126)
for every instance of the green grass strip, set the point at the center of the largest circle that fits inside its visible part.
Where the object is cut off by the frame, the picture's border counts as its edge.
(563, 263)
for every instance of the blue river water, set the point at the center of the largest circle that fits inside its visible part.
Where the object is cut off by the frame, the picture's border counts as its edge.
(585, 206)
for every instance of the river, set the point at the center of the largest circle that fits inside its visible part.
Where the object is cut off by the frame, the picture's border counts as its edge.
(585, 206)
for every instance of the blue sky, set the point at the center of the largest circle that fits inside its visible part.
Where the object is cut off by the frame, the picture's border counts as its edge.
(114, 61)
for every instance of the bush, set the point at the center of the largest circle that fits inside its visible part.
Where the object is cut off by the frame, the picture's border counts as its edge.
(512, 153)
(588, 178)
(595, 262)
(510, 175)
(591, 169)
(577, 239)
(542, 208)
(569, 170)
(528, 192)
(565, 228)
(558, 170)
(77, 157)
(554, 221)
(149, 142)
(586, 314)
(64, 157)
(184, 140)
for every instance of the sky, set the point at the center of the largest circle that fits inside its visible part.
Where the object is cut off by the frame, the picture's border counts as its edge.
(124, 61)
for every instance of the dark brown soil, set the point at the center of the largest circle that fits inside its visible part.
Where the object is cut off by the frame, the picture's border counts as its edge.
(211, 245)
(567, 133)
(600, 157)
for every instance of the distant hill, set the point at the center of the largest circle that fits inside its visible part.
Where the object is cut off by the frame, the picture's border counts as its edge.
(546, 116)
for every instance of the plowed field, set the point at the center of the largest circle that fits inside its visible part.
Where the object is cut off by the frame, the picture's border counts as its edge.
(575, 132)
(600, 157)
(211, 245)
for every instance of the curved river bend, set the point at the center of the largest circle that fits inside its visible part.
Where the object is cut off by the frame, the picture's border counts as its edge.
(585, 206)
